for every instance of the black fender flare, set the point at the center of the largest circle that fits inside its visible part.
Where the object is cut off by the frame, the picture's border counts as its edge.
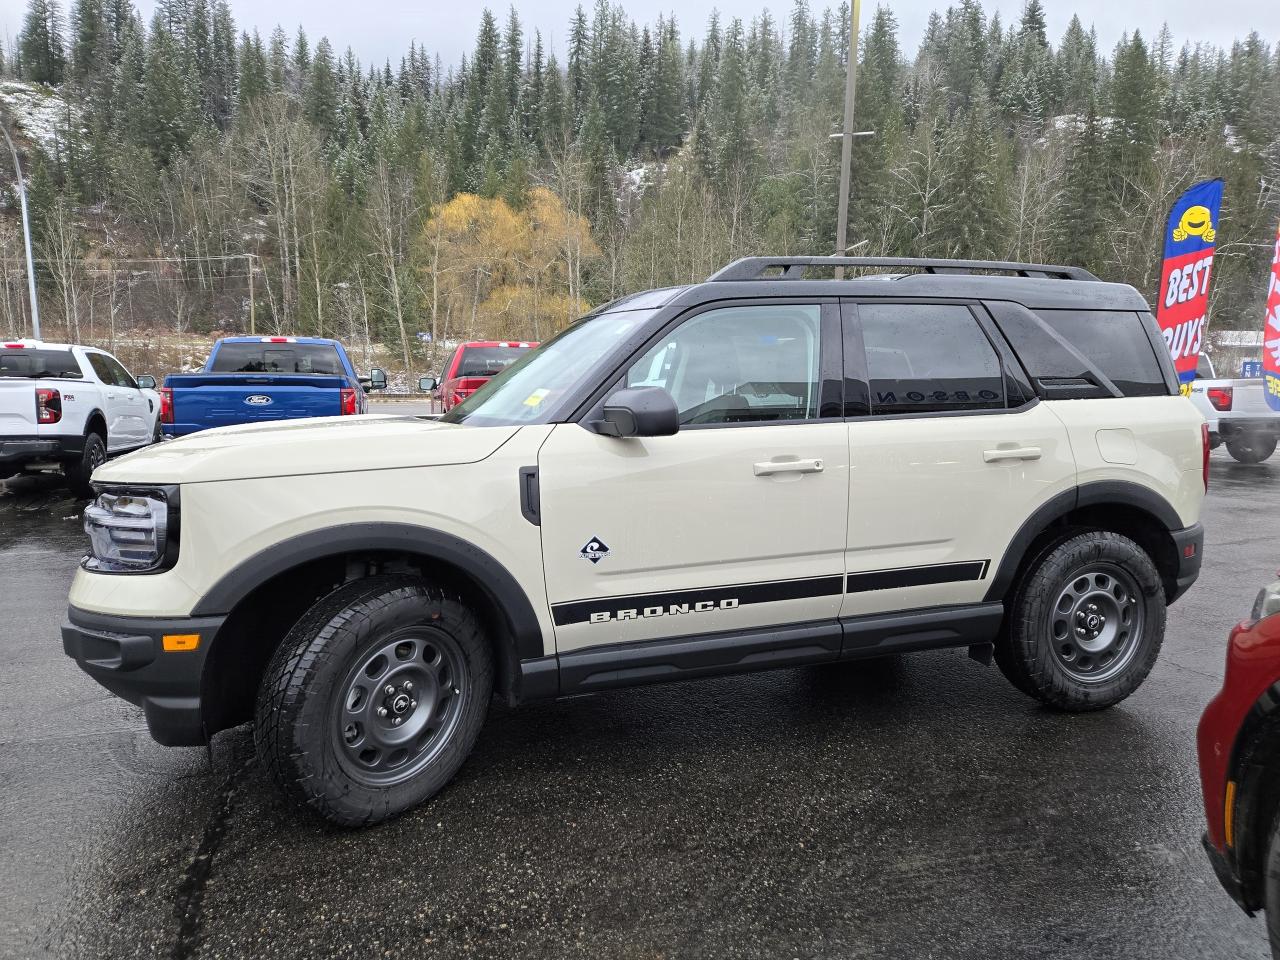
(494, 579)
(1110, 492)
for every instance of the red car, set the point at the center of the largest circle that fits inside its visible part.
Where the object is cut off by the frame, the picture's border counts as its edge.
(1239, 746)
(471, 366)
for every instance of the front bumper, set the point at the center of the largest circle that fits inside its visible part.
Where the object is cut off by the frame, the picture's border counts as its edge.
(127, 656)
(1190, 539)
(1225, 873)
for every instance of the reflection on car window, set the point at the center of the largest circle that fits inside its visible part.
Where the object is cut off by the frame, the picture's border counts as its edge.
(26, 363)
(738, 365)
(531, 390)
(313, 358)
(487, 361)
(925, 357)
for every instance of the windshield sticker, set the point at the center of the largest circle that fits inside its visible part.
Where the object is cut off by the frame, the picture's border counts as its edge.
(536, 397)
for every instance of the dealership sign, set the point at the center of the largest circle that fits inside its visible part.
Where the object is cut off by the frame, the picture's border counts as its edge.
(1189, 240)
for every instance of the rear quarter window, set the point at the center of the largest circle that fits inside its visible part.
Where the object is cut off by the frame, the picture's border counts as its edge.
(1115, 341)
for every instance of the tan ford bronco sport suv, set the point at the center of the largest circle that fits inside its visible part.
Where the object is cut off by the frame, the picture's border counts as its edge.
(762, 470)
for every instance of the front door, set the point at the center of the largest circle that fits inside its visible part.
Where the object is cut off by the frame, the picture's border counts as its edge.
(735, 522)
(948, 455)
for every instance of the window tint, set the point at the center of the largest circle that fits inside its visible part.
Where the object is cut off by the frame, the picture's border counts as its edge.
(31, 364)
(119, 375)
(100, 368)
(320, 358)
(738, 365)
(929, 358)
(1115, 341)
(487, 361)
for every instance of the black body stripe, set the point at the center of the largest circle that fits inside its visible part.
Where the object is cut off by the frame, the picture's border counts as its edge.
(917, 576)
(579, 611)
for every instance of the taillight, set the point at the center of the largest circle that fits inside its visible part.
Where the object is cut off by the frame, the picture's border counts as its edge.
(348, 401)
(1204, 440)
(166, 404)
(1220, 397)
(48, 405)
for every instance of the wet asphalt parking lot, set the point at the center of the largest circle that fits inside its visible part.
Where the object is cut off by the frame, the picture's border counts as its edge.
(917, 807)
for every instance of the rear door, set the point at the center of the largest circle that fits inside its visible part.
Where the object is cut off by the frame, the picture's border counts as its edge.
(735, 522)
(949, 453)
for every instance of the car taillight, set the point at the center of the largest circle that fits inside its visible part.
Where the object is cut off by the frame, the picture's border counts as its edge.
(166, 404)
(1204, 440)
(48, 405)
(1220, 397)
(348, 401)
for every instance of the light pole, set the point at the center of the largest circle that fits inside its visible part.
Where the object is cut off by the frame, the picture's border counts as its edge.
(846, 137)
(26, 235)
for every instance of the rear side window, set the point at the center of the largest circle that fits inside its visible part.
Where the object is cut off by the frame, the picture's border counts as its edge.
(929, 358)
(487, 361)
(1116, 343)
(321, 358)
(27, 364)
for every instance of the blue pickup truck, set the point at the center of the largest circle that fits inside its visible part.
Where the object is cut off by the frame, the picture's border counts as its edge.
(253, 379)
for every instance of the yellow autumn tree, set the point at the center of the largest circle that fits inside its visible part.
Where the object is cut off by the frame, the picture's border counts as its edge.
(497, 273)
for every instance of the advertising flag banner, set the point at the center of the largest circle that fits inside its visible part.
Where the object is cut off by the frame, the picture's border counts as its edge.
(1189, 240)
(1271, 333)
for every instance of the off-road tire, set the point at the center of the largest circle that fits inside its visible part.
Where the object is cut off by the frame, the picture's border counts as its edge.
(79, 471)
(1025, 650)
(1251, 449)
(305, 682)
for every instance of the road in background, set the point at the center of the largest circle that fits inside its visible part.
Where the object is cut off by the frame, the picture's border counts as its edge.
(915, 807)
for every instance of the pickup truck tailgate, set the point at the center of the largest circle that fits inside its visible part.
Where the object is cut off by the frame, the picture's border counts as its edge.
(17, 408)
(214, 400)
(1249, 400)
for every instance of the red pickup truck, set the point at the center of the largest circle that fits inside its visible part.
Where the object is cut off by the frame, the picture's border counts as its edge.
(471, 366)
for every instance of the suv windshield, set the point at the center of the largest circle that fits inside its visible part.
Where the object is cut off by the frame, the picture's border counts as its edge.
(532, 389)
(276, 358)
(36, 364)
(487, 361)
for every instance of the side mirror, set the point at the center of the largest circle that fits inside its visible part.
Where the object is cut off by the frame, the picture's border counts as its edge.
(377, 379)
(146, 382)
(639, 412)
(427, 384)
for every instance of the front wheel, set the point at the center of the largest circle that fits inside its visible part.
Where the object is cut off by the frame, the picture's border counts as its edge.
(1249, 449)
(1086, 623)
(374, 699)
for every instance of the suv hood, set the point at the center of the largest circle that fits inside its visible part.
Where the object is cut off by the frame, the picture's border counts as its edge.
(286, 448)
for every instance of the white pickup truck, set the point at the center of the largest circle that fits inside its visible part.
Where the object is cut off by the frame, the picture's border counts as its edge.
(70, 407)
(1237, 413)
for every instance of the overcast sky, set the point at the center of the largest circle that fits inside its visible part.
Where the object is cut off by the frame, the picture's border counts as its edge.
(378, 29)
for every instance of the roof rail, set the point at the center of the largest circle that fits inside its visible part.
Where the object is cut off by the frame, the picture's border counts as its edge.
(794, 268)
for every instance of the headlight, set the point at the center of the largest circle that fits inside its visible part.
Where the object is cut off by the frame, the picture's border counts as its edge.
(1268, 602)
(132, 529)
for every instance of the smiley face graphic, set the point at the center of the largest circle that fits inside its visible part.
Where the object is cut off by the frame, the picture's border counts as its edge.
(1195, 222)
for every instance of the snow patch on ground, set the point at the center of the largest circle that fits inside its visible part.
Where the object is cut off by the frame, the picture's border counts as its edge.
(38, 113)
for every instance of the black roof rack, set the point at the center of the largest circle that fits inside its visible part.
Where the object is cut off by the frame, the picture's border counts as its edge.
(794, 268)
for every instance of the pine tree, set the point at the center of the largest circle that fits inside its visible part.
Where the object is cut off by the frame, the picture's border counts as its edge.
(40, 45)
(553, 113)
(166, 127)
(579, 57)
(320, 104)
(253, 78)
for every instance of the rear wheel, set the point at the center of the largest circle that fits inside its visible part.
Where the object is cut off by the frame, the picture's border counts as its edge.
(1254, 449)
(374, 699)
(1271, 889)
(79, 471)
(1086, 623)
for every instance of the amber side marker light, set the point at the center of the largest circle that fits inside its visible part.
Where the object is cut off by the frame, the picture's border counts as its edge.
(1228, 814)
(180, 642)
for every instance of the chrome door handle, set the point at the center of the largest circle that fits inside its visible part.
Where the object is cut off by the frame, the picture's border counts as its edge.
(1011, 453)
(771, 467)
